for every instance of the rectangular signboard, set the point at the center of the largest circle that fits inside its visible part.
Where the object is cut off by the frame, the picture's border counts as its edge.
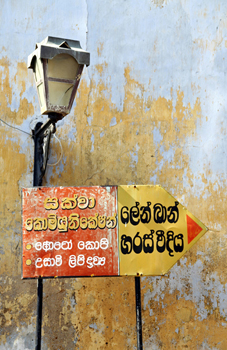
(104, 231)
(70, 231)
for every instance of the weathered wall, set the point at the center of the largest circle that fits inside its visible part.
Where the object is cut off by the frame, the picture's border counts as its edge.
(150, 110)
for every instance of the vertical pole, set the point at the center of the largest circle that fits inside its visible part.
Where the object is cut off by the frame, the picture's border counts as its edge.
(37, 181)
(41, 136)
(38, 157)
(138, 314)
(39, 314)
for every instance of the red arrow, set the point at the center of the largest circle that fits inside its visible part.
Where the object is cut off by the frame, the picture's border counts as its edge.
(193, 229)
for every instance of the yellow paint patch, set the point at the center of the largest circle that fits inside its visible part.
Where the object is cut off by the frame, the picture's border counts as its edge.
(25, 109)
(100, 49)
(99, 313)
(177, 325)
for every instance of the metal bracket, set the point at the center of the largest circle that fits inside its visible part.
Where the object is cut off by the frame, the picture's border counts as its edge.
(41, 136)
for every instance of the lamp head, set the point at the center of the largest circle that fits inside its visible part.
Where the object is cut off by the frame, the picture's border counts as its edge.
(57, 65)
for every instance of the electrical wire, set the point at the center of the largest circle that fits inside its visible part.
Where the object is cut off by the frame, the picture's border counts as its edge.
(14, 127)
(25, 132)
(56, 163)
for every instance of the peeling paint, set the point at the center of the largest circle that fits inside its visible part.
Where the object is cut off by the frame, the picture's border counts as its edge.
(150, 109)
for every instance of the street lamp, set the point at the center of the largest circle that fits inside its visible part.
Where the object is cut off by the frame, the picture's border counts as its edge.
(57, 65)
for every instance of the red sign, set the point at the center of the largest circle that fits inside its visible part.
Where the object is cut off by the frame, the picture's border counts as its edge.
(70, 231)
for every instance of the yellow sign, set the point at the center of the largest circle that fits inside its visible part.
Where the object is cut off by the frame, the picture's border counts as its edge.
(155, 230)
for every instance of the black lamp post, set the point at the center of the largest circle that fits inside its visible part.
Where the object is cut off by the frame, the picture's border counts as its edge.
(57, 65)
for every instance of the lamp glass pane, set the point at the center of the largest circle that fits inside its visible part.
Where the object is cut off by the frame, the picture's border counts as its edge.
(59, 93)
(41, 95)
(38, 70)
(62, 66)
